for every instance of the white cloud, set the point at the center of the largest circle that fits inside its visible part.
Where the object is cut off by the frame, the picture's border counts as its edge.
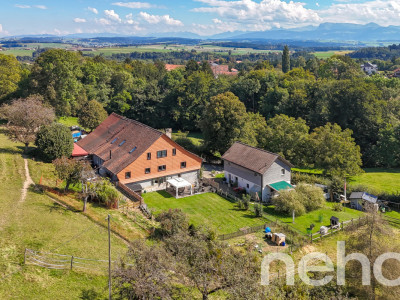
(1, 28)
(103, 21)
(261, 14)
(135, 5)
(382, 12)
(317, 4)
(165, 19)
(79, 20)
(129, 16)
(40, 6)
(30, 6)
(22, 6)
(112, 15)
(93, 10)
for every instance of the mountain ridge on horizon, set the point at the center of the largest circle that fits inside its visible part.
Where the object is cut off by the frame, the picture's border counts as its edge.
(325, 31)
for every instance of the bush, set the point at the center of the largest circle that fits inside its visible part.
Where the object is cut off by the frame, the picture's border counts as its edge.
(188, 144)
(244, 203)
(106, 193)
(298, 177)
(172, 221)
(54, 141)
(304, 198)
(258, 210)
(337, 207)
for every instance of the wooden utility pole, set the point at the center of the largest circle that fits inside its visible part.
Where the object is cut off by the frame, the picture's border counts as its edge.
(109, 258)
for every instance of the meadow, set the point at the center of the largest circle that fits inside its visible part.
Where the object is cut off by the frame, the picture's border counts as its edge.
(39, 223)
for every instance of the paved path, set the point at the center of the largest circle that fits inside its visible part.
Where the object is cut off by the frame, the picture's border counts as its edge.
(28, 181)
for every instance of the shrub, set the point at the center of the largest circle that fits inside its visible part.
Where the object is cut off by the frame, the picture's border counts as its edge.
(312, 196)
(106, 193)
(298, 177)
(172, 221)
(246, 201)
(258, 210)
(302, 199)
(337, 207)
(54, 141)
(288, 201)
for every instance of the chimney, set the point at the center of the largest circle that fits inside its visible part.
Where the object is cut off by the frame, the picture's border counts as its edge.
(168, 132)
(110, 154)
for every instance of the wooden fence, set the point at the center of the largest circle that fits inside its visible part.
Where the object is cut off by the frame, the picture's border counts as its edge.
(242, 232)
(64, 262)
(129, 193)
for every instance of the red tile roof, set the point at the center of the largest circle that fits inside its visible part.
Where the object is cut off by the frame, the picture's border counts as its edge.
(254, 159)
(169, 67)
(78, 151)
(109, 136)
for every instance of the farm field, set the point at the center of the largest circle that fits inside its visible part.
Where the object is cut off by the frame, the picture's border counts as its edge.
(39, 223)
(207, 209)
(328, 54)
(304, 221)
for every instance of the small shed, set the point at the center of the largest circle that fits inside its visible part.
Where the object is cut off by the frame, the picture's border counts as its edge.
(361, 200)
(278, 238)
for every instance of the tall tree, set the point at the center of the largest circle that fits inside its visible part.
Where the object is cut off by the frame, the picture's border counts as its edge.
(223, 122)
(10, 75)
(335, 151)
(285, 59)
(56, 76)
(25, 117)
(288, 137)
(54, 141)
(92, 114)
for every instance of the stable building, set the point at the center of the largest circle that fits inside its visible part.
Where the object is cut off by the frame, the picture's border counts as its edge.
(256, 170)
(140, 157)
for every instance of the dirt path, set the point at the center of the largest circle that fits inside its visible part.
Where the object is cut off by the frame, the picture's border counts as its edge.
(28, 181)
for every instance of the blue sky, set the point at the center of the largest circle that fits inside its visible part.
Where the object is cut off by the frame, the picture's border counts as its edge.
(204, 17)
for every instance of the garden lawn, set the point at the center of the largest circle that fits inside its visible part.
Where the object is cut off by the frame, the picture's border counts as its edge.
(304, 221)
(380, 180)
(207, 209)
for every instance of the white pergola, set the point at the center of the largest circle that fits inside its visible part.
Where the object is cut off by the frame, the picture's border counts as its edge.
(178, 183)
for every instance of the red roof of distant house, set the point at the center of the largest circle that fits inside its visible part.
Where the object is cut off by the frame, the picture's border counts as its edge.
(223, 70)
(78, 151)
(169, 67)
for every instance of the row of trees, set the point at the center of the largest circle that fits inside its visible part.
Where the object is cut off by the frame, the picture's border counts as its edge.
(327, 147)
(333, 91)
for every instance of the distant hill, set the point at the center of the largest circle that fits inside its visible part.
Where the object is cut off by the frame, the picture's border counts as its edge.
(329, 31)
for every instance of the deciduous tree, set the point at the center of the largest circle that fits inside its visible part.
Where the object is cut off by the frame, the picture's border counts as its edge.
(335, 151)
(54, 141)
(25, 117)
(91, 115)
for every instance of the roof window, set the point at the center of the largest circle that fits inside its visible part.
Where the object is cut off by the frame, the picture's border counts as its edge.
(133, 149)
(113, 141)
(123, 142)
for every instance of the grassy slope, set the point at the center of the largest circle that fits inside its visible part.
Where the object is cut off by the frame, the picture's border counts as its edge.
(304, 221)
(382, 180)
(41, 224)
(378, 179)
(205, 209)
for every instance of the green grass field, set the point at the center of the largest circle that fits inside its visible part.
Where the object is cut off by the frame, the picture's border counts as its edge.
(328, 54)
(380, 180)
(207, 209)
(304, 221)
(68, 121)
(40, 224)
